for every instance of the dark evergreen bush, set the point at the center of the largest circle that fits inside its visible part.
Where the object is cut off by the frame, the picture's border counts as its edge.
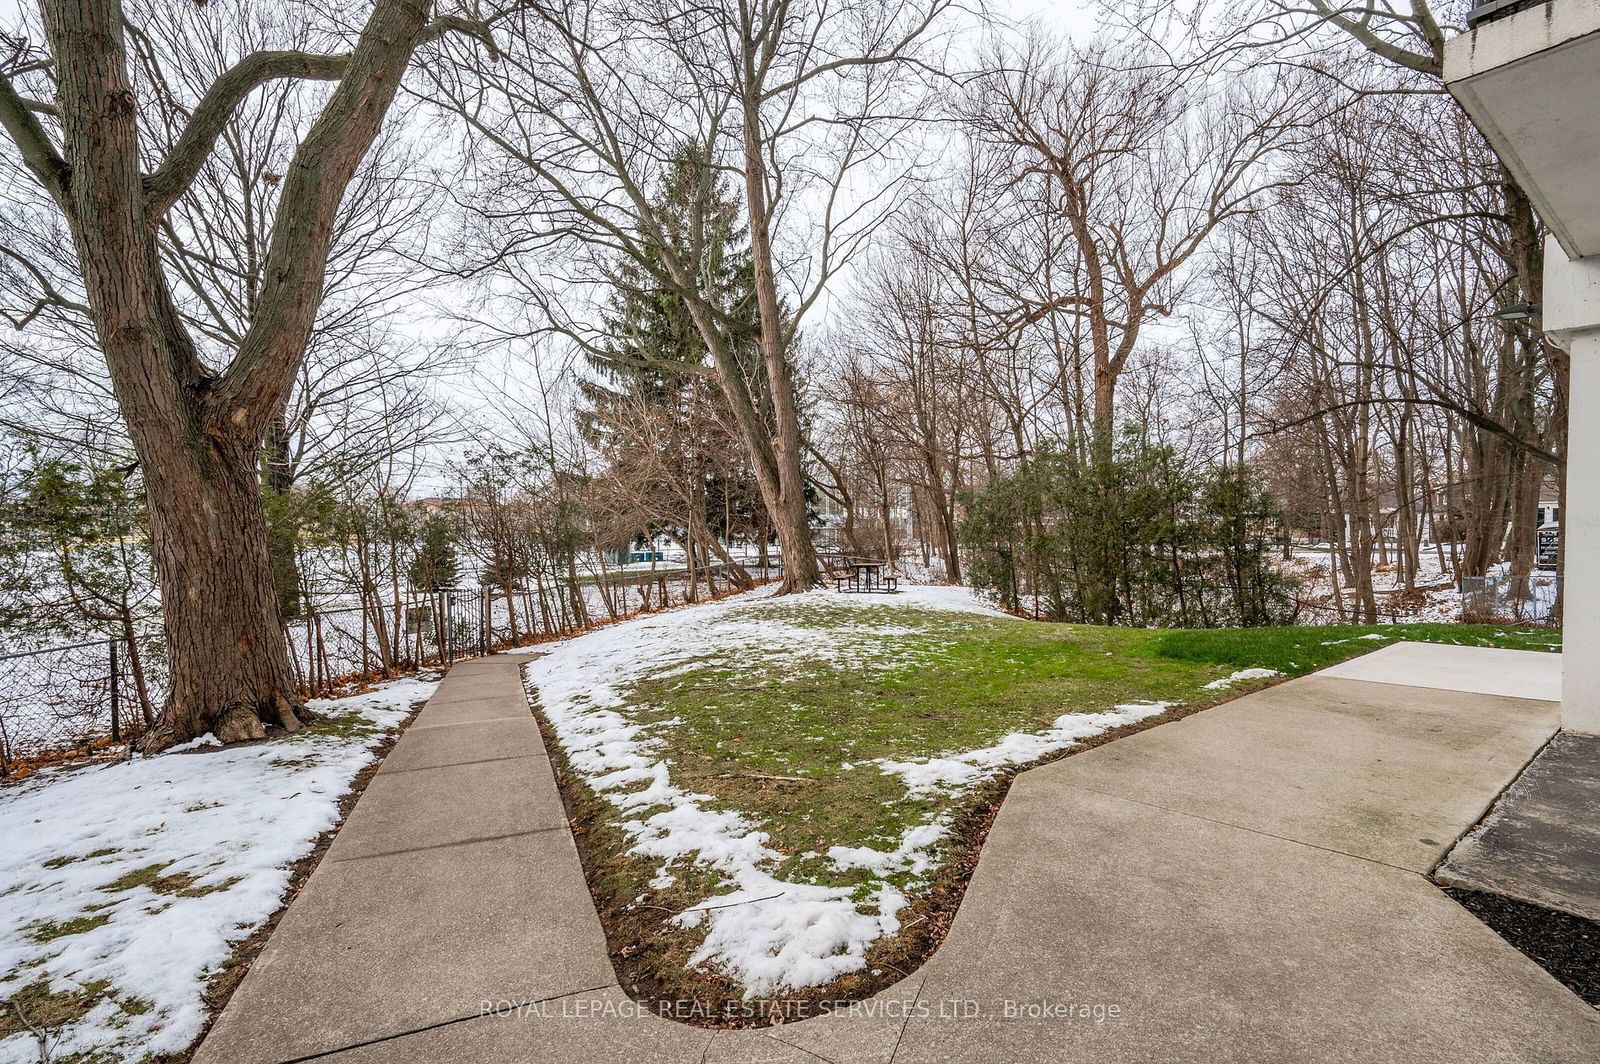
(1136, 535)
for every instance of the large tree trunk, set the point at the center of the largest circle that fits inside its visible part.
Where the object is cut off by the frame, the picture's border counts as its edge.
(229, 662)
(198, 432)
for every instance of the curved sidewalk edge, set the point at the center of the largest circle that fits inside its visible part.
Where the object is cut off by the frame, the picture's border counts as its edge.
(1248, 883)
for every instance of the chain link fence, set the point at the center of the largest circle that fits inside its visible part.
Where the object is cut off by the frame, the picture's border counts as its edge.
(65, 698)
(82, 696)
(1504, 598)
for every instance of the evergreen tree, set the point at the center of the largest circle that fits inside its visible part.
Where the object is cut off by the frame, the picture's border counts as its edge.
(435, 565)
(653, 361)
(1134, 535)
(652, 347)
(74, 538)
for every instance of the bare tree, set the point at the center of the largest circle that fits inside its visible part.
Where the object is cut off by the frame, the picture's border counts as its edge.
(1145, 165)
(1403, 41)
(799, 103)
(198, 430)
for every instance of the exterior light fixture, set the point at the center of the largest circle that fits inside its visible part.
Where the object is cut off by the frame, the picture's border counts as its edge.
(1518, 312)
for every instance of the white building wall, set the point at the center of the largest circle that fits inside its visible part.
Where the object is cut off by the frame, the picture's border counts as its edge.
(1572, 319)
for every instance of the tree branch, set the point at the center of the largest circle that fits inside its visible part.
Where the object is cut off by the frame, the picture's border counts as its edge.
(211, 115)
(1362, 31)
(38, 153)
(51, 297)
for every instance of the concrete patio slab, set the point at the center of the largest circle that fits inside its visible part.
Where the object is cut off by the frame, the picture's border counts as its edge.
(453, 882)
(1541, 842)
(866, 1032)
(448, 806)
(383, 945)
(479, 683)
(1215, 943)
(1477, 670)
(757, 1049)
(1386, 773)
(500, 706)
(477, 688)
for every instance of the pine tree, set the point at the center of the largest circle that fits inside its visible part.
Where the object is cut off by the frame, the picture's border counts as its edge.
(653, 357)
(653, 349)
(435, 565)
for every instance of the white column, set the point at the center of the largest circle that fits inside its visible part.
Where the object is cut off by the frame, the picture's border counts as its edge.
(1572, 320)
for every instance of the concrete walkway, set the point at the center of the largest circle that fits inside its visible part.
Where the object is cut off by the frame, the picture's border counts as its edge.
(1247, 884)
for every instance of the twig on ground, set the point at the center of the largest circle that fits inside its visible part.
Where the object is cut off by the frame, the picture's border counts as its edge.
(752, 776)
(38, 1032)
(708, 908)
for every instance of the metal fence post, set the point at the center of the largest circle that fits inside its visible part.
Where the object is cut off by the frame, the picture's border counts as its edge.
(448, 641)
(116, 693)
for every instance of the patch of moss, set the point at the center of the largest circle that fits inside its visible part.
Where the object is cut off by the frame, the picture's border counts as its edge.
(62, 861)
(50, 930)
(150, 876)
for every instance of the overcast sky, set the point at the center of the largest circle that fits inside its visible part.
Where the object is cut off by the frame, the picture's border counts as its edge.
(495, 384)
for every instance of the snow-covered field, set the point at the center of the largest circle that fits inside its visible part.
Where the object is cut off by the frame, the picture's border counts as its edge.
(128, 884)
(767, 933)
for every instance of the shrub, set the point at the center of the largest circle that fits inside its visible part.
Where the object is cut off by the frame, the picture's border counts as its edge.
(1136, 535)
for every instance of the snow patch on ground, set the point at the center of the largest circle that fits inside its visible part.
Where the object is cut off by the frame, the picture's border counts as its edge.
(1373, 637)
(914, 854)
(1241, 676)
(164, 863)
(196, 743)
(955, 771)
(767, 933)
(1437, 597)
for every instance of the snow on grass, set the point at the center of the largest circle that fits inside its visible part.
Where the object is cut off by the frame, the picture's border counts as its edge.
(1370, 637)
(768, 934)
(1244, 675)
(135, 880)
(956, 771)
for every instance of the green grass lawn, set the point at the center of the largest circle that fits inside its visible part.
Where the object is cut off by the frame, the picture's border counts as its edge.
(954, 682)
(785, 711)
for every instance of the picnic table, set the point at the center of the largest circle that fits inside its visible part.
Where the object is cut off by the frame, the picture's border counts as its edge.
(862, 577)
